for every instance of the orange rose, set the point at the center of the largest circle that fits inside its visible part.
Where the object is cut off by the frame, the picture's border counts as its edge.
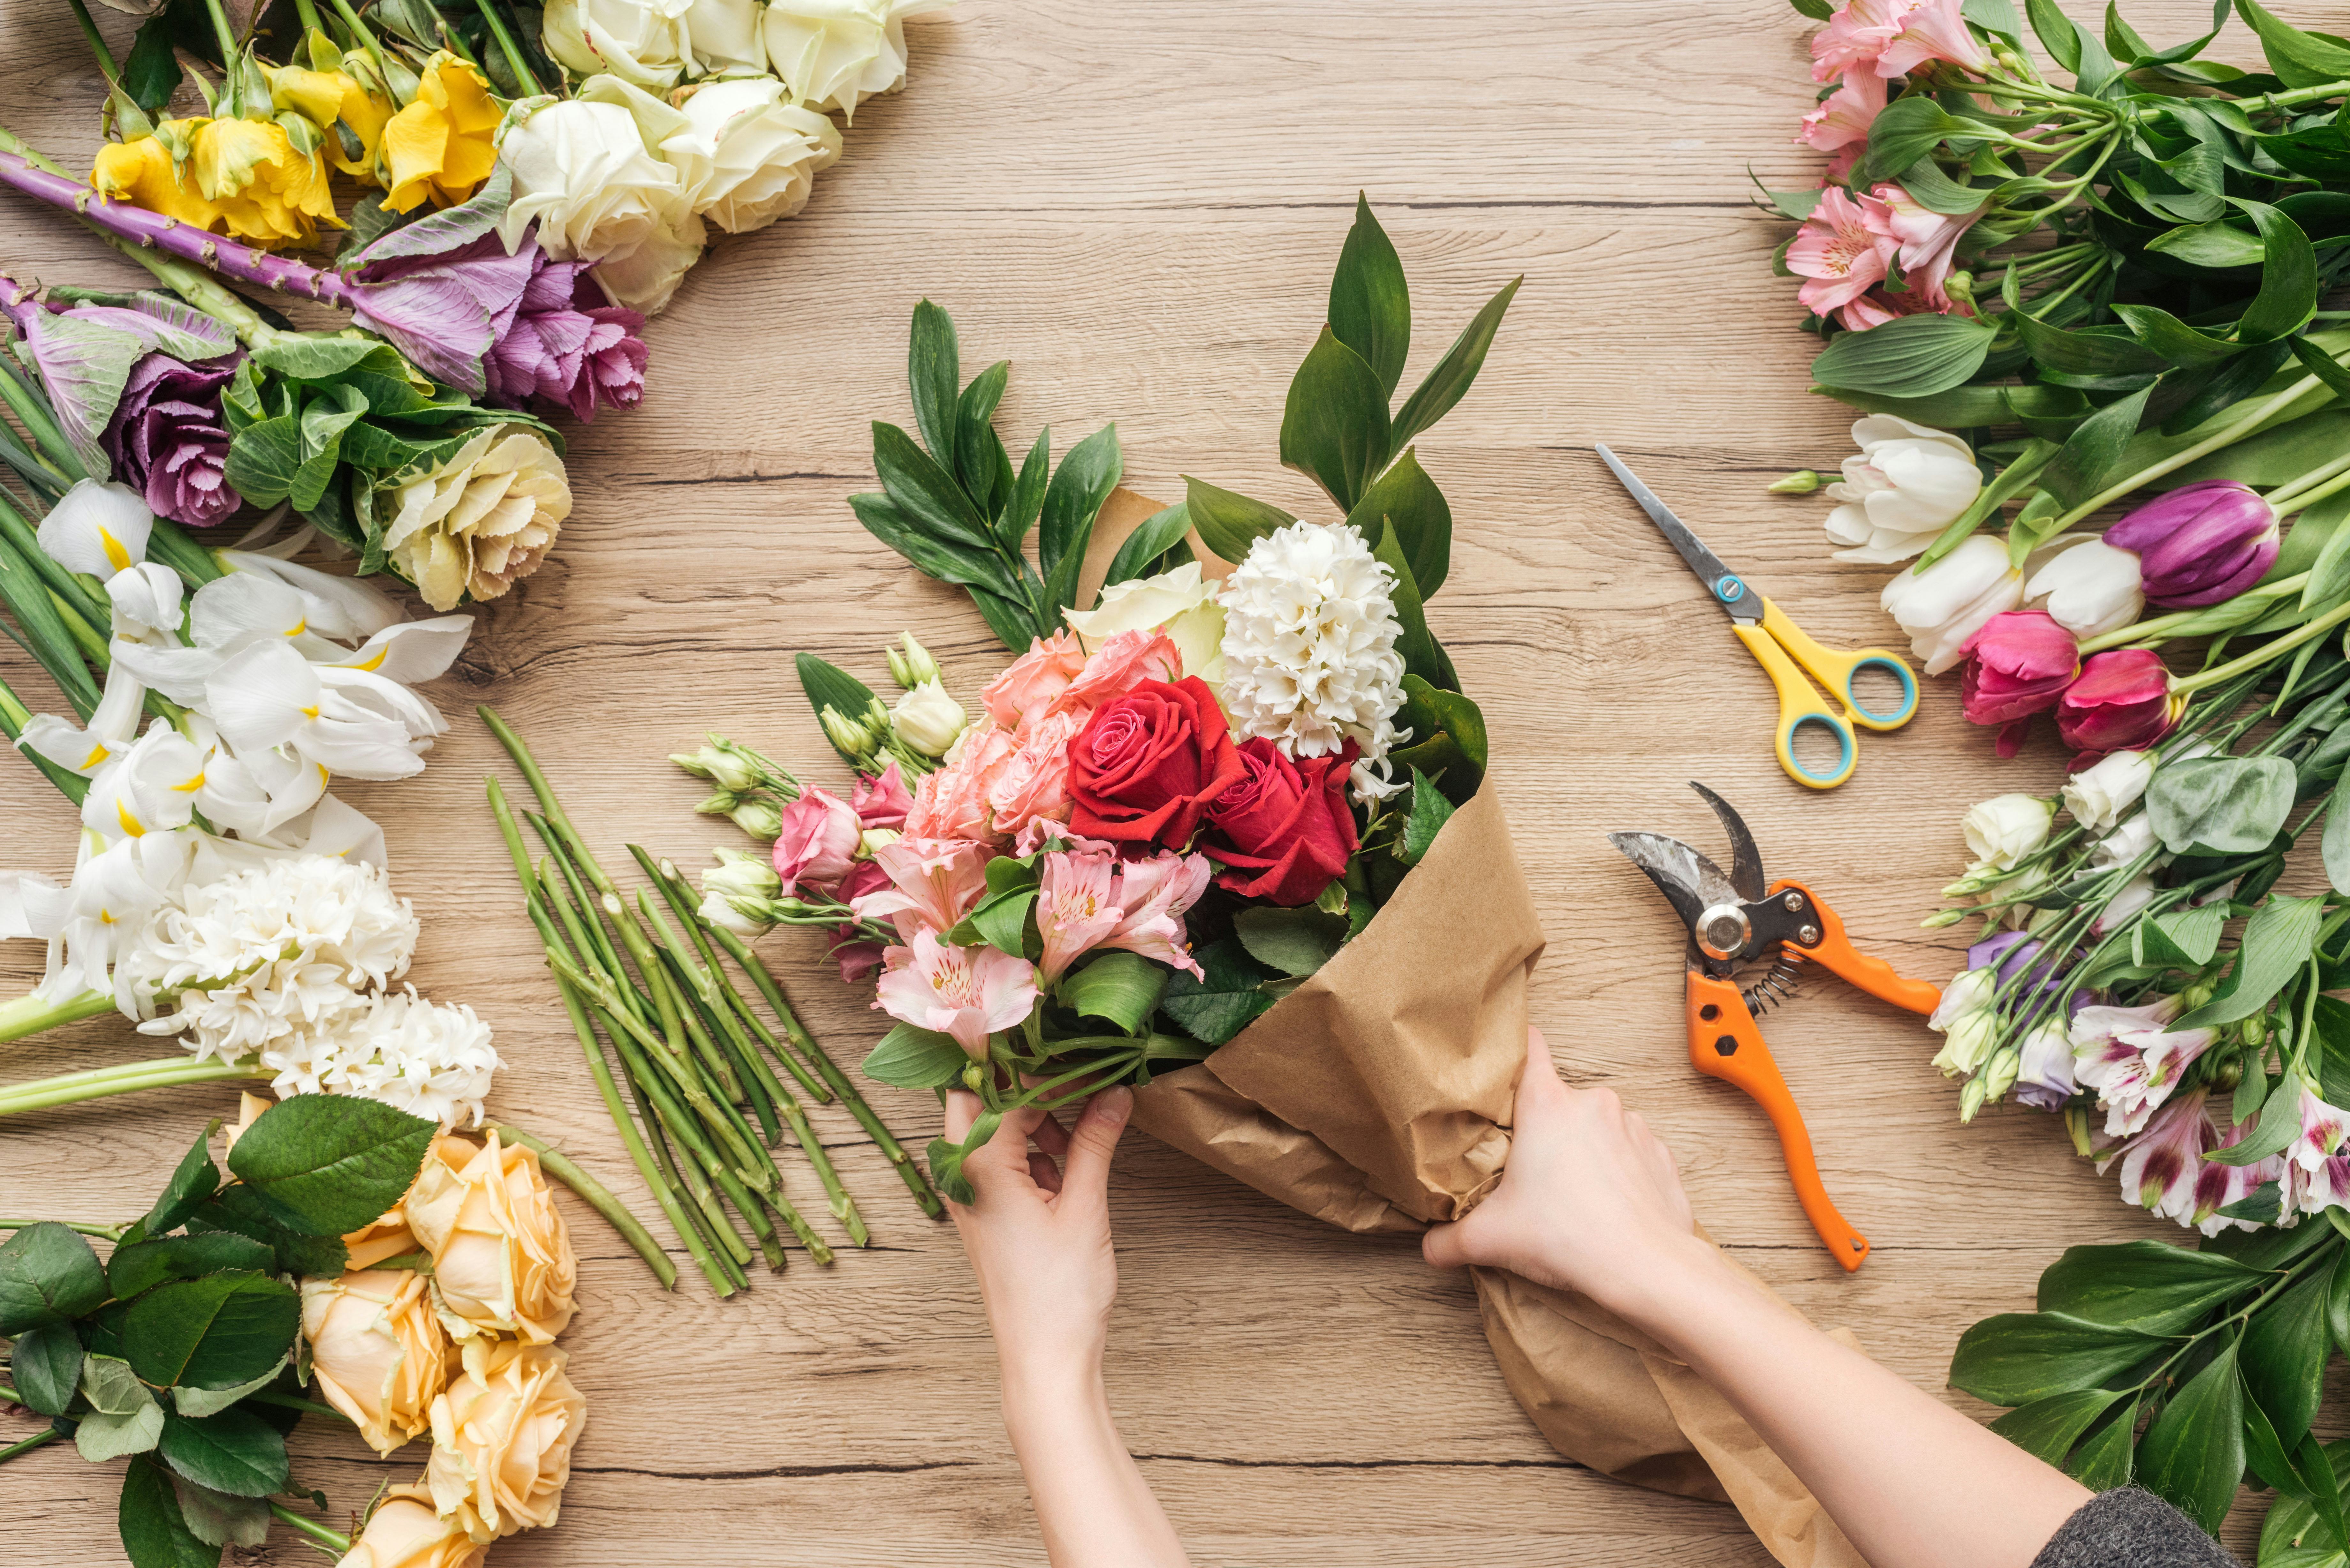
(502, 1261)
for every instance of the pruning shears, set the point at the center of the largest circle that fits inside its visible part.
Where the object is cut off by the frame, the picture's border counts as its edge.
(1735, 920)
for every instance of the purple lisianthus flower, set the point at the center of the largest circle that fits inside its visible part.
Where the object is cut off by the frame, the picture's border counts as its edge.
(168, 440)
(565, 348)
(2011, 953)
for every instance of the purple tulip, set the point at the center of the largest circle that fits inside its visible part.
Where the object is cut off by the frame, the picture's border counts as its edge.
(168, 440)
(566, 347)
(2201, 544)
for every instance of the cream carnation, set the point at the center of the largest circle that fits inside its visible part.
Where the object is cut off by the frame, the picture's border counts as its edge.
(430, 1060)
(1309, 647)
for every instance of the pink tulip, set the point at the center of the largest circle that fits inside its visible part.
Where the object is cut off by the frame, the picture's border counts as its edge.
(817, 842)
(968, 993)
(1844, 117)
(2019, 664)
(2121, 702)
(2203, 544)
(882, 801)
(1840, 250)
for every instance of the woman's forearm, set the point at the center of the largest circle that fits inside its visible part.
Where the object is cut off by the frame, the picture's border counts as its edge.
(1092, 1503)
(1912, 1482)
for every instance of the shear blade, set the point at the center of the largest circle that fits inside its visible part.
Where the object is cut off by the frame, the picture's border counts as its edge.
(1745, 860)
(1692, 882)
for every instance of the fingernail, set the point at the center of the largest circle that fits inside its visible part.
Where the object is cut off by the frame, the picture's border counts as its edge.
(1115, 1102)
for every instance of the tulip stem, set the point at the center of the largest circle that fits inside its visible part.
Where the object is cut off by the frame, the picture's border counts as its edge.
(2229, 437)
(334, 1540)
(2318, 492)
(2266, 653)
(596, 1196)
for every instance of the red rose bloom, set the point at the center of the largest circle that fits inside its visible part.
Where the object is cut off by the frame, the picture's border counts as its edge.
(1284, 831)
(1146, 765)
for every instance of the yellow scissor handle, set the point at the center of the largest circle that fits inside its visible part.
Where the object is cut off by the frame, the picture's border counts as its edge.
(1836, 671)
(1799, 705)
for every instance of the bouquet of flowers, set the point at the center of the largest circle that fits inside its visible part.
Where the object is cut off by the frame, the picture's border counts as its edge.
(415, 1282)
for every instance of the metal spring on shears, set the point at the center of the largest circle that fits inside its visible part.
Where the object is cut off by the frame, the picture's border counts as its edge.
(1775, 989)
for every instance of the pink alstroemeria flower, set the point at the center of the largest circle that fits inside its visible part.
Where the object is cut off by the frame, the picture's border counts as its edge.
(2131, 1060)
(1087, 899)
(1930, 30)
(882, 801)
(2218, 1186)
(968, 993)
(933, 883)
(1854, 39)
(2317, 1172)
(1840, 250)
(1843, 118)
(1152, 896)
(2159, 1167)
(1076, 907)
(817, 842)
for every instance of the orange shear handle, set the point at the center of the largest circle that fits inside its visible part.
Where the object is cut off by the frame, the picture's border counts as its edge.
(1875, 976)
(1725, 1044)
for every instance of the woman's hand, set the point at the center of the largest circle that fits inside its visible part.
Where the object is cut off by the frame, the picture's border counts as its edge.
(1590, 1201)
(1038, 1236)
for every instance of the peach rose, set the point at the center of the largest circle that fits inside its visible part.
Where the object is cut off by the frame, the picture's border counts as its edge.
(387, 1236)
(1123, 662)
(502, 1438)
(1032, 786)
(407, 1532)
(1035, 681)
(376, 1350)
(952, 802)
(502, 1260)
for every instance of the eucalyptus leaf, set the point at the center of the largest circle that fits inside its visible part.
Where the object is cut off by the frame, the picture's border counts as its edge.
(2223, 806)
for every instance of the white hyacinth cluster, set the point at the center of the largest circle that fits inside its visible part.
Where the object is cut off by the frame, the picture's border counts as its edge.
(1310, 659)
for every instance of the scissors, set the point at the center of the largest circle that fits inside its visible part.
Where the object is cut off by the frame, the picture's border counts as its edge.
(1771, 638)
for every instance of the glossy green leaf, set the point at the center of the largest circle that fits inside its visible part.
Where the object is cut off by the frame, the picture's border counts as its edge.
(1430, 812)
(1427, 712)
(213, 1333)
(2216, 246)
(2047, 1429)
(2276, 942)
(2148, 1286)
(1415, 642)
(2288, 278)
(193, 1181)
(1903, 132)
(2102, 1461)
(1334, 427)
(2093, 456)
(1403, 497)
(974, 445)
(48, 1275)
(150, 71)
(2264, 1455)
(123, 1417)
(234, 1452)
(2018, 1357)
(2300, 59)
(1228, 524)
(1119, 986)
(155, 1534)
(2334, 847)
(1140, 552)
(933, 371)
(912, 1058)
(45, 1364)
(143, 1265)
(1290, 941)
(1000, 920)
(2322, 366)
(327, 1164)
(2226, 806)
(2283, 1354)
(1227, 996)
(1910, 357)
(1370, 305)
(926, 493)
(1445, 385)
(1072, 501)
(2193, 1454)
(944, 559)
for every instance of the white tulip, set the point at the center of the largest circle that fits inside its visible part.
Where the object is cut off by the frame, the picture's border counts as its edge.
(1180, 603)
(748, 158)
(1906, 485)
(835, 54)
(2006, 828)
(1947, 605)
(98, 529)
(928, 719)
(722, 36)
(2091, 589)
(640, 41)
(2096, 796)
(586, 174)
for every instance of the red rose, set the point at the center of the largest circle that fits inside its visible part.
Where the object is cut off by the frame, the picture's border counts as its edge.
(1146, 765)
(1284, 831)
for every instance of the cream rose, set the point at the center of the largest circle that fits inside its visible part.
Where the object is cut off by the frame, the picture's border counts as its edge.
(483, 520)
(1180, 603)
(407, 1532)
(376, 1350)
(502, 1260)
(747, 157)
(641, 41)
(585, 172)
(722, 36)
(835, 54)
(502, 1438)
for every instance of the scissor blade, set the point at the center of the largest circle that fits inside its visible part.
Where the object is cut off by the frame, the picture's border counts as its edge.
(1745, 860)
(1693, 883)
(1728, 589)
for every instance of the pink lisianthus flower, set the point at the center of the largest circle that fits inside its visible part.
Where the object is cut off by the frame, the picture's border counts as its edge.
(932, 884)
(817, 842)
(968, 993)
(1842, 251)
(1843, 118)
(2128, 1056)
(882, 801)
(1032, 683)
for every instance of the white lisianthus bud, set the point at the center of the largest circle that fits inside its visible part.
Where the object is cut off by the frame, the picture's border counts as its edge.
(1968, 1043)
(928, 719)
(1906, 485)
(875, 839)
(2123, 844)
(912, 665)
(742, 875)
(1967, 993)
(2004, 829)
(2096, 796)
(723, 768)
(1942, 607)
(1999, 1073)
(748, 157)
(1802, 481)
(759, 819)
(1971, 1100)
(724, 912)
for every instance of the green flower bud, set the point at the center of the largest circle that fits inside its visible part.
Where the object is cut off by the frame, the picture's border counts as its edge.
(972, 1077)
(1802, 481)
(1971, 1100)
(846, 733)
(759, 819)
(912, 665)
(720, 804)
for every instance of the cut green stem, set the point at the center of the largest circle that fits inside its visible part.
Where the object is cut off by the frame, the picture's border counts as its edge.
(596, 1196)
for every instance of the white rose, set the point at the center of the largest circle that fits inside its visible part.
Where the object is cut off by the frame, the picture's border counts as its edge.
(481, 521)
(2003, 830)
(1908, 484)
(748, 158)
(1949, 603)
(928, 719)
(722, 36)
(641, 41)
(584, 172)
(2091, 589)
(2098, 796)
(833, 54)
(1180, 603)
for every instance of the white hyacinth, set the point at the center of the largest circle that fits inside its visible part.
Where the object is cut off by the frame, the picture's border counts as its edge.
(1309, 650)
(430, 1060)
(255, 959)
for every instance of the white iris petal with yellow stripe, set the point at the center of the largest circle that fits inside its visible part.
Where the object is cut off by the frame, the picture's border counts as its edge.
(98, 529)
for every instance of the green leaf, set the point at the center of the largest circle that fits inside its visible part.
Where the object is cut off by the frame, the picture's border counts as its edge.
(912, 1058)
(974, 445)
(1430, 812)
(2016, 1358)
(217, 1519)
(214, 1332)
(2047, 1429)
(2277, 942)
(328, 1164)
(1421, 656)
(933, 372)
(2103, 1462)
(1334, 427)
(1370, 305)
(1122, 987)
(1817, 10)
(2283, 1356)
(2092, 455)
(925, 491)
(2270, 1465)
(2143, 1286)
(931, 554)
(2109, 352)
(1903, 132)
(150, 72)
(124, 1417)
(155, 1534)
(142, 1266)
(1910, 357)
(2337, 1302)
(45, 1365)
(1229, 524)
(2322, 366)
(1000, 920)
(306, 357)
(1449, 381)
(1226, 997)
(1290, 941)
(2057, 35)
(2299, 59)
(240, 1211)
(2193, 1454)
(264, 459)
(48, 1275)
(829, 685)
(1157, 534)
(2220, 805)
(2313, 1468)
(1427, 712)
(1410, 503)
(234, 1452)
(2288, 276)
(190, 1401)
(193, 1181)
(2279, 1120)
(1072, 501)
(2184, 938)
(2216, 246)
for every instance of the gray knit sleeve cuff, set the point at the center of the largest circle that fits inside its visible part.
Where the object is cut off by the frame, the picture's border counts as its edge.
(2128, 1528)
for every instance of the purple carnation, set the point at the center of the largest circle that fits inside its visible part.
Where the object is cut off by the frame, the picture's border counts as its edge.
(168, 440)
(566, 346)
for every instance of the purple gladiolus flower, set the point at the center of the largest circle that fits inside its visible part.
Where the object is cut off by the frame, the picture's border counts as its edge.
(565, 348)
(168, 440)
(2201, 544)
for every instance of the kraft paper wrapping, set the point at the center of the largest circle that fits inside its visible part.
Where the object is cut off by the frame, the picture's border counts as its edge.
(1377, 1096)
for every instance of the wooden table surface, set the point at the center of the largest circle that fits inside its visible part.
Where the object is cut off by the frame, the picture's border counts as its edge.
(1138, 205)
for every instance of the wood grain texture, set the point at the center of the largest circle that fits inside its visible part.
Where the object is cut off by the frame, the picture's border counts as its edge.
(1138, 205)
